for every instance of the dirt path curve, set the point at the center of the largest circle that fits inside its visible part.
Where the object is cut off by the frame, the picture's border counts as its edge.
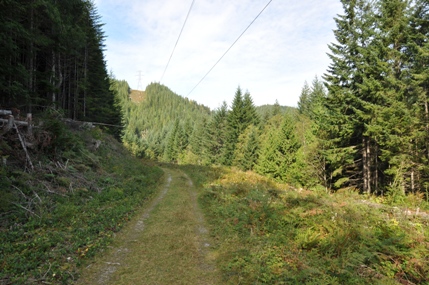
(166, 243)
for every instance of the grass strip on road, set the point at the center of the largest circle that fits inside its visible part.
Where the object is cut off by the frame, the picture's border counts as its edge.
(167, 245)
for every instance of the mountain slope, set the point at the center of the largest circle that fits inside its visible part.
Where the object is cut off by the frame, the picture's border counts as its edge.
(149, 122)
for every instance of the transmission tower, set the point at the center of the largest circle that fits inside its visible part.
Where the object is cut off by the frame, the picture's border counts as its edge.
(139, 83)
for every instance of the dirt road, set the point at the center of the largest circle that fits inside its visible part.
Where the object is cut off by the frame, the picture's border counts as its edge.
(166, 243)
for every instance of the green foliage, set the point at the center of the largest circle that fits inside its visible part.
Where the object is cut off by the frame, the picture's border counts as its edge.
(268, 233)
(247, 149)
(216, 134)
(53, 220)
(160, 126)
(54, 137)
(241, 115)
(372, 119)
(278, 152)
(52, 55)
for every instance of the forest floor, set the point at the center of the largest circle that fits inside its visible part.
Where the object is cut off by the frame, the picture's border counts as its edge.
(166, 243)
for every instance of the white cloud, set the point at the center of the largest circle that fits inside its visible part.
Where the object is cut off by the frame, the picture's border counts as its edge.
(284, 47)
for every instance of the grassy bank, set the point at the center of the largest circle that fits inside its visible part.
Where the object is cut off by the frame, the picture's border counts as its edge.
(269, 233)
(54, 218)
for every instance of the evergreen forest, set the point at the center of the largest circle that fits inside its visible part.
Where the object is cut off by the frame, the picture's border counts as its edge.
(333, 191)
(52, 57)
(364, 124)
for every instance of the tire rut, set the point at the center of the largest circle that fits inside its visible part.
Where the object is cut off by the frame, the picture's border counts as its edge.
(124, 261)
(119, 255)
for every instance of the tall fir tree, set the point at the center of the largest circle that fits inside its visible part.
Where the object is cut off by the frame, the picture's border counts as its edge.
(216, 136)
(278, 152)
(246, 152)
(243, 113)
(235, 118)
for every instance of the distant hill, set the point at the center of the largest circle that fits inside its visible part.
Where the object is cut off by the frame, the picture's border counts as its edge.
(150, 115)
(266, 111)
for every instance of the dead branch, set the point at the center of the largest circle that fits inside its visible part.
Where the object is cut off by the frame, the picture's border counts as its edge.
(50, 191)
(23, 146)
(49, 269)
(22, 193)
(28, 210)
(37, 196)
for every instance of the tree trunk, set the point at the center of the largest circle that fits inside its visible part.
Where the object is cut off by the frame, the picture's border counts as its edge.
(31, 55)
(366, 161)
(54, 97)
(427, 125)
(85, 79)
(76, 92)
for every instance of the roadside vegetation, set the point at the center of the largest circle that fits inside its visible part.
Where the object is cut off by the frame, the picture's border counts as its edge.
(271, 233)
(69, 208)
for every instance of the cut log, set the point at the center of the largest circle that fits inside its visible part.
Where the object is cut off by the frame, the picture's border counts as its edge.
(18, 123)
(5, 112)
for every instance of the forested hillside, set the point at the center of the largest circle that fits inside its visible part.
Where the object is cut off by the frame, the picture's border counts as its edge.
(266, 175)
(51, 54)
(158, 127)
(363, 125)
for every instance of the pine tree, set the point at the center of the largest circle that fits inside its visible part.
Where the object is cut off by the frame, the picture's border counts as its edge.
(278, 152)
(349, 157)
(304, 100)
(246, 152)
(250, 115)
(235, 119)
(243, 113)
(216, 136)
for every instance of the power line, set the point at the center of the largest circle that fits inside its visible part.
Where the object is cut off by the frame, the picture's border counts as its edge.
(187, 16)
(269, 2)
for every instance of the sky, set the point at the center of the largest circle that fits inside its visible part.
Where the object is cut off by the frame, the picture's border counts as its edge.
(286, 46)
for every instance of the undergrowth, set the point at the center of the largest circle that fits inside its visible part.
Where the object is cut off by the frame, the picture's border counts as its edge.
(54, 218)
(270, 233)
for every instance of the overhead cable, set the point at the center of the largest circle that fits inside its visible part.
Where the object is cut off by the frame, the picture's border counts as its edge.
(187, 16)
(257, 16)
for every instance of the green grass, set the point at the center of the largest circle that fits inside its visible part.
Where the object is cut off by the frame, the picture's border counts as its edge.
(270, 233)
(162, 245)
(56, 218)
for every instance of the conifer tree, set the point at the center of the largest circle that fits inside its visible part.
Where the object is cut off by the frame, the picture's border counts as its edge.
(250, 115)
(242, 114)
(216, 136)
(276, 109)
(304, 100)
(278, 152)
(349, 155)
(246, 152)
(235, 120)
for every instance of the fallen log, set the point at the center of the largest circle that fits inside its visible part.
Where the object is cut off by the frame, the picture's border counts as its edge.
(18, 123)
(5, 112)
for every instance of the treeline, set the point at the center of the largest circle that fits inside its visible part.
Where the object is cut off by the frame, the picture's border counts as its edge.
(149, 125)
(365, 125)
(270, 140)
(373, 125)
(51, 54)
